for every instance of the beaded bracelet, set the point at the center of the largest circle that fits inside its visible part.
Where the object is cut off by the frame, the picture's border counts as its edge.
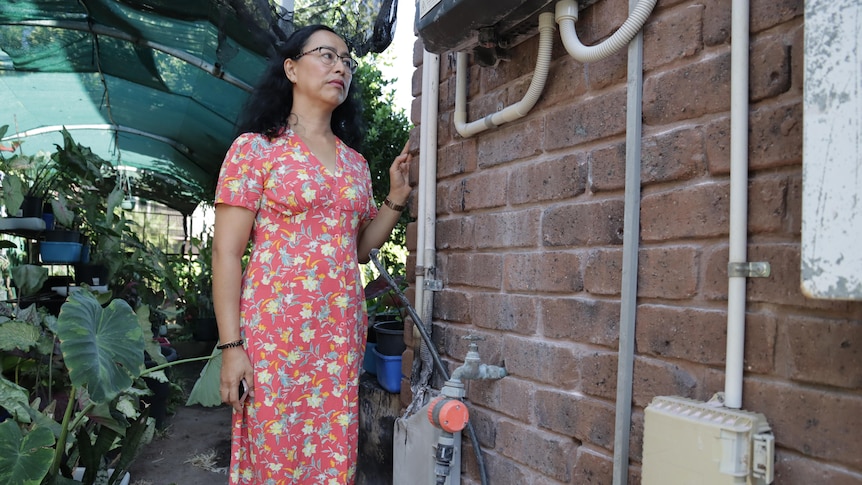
(235, 343)
(393, 205)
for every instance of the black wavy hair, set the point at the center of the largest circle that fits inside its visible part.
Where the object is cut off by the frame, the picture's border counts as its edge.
(267, 109)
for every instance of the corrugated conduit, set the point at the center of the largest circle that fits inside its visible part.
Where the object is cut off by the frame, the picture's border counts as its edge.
(567, 15)
(517, 110)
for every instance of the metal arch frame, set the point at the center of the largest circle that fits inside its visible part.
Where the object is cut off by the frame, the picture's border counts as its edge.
(104, 127)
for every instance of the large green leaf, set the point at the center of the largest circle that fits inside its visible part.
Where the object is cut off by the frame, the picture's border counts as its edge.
(24, 459)
(13, 398)
(18, 335)
(206, 389)
(103, 347)
(29, 278)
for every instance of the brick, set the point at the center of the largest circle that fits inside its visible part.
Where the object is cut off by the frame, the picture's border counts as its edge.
(653, 378)
(673, 156)
(667, 272)
(548, 180)
(581, 320)
(484, 104)
(552, 272)
(761, 329)
(769, 72)
(608, 168)
(601, 20)
(482, 191)
(548, 362)
(586, 119)
(583, 224)
(480, 270)
(514, 397)
(452, 306)
(792, 469)
(513, 141)
(793, 205)
(603, 274)
(456, 345)
(688, 92)
(821, 351)
(485, 425)
(585, 419)
(454, 233)
(566, 80)
(694, 211)
(672, 35)
(598, 374)
(593, 468)
(501, 470)
(506, 229)
(537, 449)
(797, 59)
(717, 145)
(775, 136)
(510, 313)
(813, 421)
(691, 334)
(767, 208)
(716, 30)
(607, 72)
(457, 158)
(766, 14)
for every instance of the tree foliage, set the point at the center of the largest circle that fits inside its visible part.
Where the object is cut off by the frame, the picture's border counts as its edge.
(388, 131)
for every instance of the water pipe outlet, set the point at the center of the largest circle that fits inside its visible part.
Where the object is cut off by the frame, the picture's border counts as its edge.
(473, 368)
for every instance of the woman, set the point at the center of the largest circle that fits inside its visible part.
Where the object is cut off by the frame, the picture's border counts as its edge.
(292, 326)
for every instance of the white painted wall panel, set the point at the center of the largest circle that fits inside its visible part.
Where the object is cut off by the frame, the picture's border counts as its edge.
(832, 164)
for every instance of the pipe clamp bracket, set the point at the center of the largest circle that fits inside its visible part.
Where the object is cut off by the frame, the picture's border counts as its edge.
(433, 285)
(749, 270)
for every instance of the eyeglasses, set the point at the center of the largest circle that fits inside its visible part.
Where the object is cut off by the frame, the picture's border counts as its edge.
(329, 56)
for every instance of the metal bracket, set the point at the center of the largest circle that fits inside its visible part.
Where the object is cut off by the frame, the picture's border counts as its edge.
(433, 285)
(748, 270)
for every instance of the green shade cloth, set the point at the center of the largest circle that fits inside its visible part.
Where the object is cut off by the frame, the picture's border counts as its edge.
(155, 85)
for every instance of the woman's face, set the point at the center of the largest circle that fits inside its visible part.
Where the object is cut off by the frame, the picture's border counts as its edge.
(321, 72)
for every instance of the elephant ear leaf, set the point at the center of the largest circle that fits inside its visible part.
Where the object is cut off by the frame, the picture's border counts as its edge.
(103, 347)
(24, 459)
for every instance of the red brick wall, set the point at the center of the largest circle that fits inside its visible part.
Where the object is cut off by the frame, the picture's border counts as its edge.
(529, 238)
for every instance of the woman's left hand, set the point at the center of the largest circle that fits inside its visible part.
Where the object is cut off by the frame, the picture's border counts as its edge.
(399, 177)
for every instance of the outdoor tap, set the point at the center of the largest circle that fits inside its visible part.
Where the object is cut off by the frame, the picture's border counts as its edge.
(473, 368)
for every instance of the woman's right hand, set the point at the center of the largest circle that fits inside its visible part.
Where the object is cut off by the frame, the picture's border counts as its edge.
(235, 366)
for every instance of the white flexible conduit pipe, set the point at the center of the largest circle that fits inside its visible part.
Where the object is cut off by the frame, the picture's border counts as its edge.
(738, 202)
(567, 15)
(517, 110)
(631, 237)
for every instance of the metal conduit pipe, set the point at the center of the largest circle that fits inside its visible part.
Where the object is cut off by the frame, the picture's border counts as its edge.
(738, 202)
(631, 238)
(567, 15)
(517, 110)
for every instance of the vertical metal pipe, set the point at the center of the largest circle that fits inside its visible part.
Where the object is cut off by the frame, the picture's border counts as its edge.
(631, 237)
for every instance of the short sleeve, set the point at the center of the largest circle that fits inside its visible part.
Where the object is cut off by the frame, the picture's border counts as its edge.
(241, 178)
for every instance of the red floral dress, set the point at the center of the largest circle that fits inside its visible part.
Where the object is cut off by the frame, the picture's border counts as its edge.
(302, 310)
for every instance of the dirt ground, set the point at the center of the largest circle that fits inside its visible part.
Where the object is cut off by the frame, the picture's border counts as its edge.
(193, 448)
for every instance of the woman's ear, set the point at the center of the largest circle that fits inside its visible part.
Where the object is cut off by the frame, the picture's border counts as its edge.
(290, 70)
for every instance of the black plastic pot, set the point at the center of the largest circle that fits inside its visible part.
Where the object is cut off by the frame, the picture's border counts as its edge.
(390, 337)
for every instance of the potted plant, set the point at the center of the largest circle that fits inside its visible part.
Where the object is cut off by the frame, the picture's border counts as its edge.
(27, 180)
(99, 354)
